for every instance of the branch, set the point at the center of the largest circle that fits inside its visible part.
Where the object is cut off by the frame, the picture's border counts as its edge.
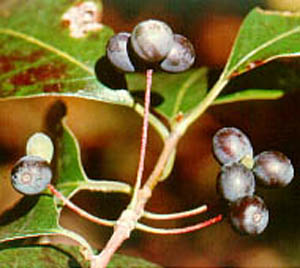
(129, 217)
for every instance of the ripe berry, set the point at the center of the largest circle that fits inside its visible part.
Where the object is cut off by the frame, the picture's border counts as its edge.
(181, 56)
(117, 54)
(152, 40)
(273, 169)
(249, 215)
(231, 145)
(235, 181)
(31, 175)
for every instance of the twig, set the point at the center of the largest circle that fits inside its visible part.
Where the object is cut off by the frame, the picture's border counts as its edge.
(129, 217)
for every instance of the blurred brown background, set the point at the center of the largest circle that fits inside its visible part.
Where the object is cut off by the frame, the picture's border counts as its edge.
(109, 139)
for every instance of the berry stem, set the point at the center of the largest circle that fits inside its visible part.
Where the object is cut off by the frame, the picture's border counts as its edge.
(129, 217)
(144, 137)
(183, 230)
(175, 216)
(161, 129)
(77, 209)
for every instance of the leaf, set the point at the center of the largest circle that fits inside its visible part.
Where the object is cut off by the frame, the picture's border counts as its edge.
(37, 256)
(70, 173)
(250, 94)
(130, 262)
(179, 92)
(261, 84)
(264, 36)
(38, 55)
(28, 218)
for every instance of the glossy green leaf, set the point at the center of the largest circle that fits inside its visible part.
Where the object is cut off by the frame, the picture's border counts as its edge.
(39, 54)
(264, 36)
(179, 93)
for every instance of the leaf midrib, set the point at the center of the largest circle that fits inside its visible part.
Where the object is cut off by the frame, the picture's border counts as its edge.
(48, 47)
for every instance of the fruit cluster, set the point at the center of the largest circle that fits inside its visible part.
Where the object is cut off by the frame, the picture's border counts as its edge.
(151, 43)
(32, 173)
(239, 173)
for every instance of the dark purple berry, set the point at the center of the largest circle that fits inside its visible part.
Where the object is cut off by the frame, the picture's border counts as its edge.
(181, 56)
(249, 215)
(31, 175)
(231, 145)
(235, 181)
(152, 40)
(117, 54)
(273, 169)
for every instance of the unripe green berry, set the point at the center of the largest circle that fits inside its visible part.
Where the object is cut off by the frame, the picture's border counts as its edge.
(39, 144)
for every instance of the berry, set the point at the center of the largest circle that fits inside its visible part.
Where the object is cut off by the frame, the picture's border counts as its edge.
(231, 145)
(181, 56)
(249, 215)
(31, 175)
(152, 40)
(273, 169)
(235, 181)
(40, 144)
(117, 54)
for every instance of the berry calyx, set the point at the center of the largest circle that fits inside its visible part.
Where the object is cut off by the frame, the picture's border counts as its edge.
(231, 145)
(181, 56)
(249, 215)
(117, 53)
(235, 181)
(273, 168)
(31, 175)
(152, 40)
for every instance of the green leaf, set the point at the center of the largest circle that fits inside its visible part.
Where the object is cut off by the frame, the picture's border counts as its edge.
(32, 216)
(179, 92)
(262, 84)
(264, 36)
(37, 256)
(129, 262)
(249, 94)
(71, 177)
(38, 55)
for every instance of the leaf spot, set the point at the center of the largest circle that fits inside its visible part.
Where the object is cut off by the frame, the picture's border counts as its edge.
(38, 74)
(7, 62)
(82, 19)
